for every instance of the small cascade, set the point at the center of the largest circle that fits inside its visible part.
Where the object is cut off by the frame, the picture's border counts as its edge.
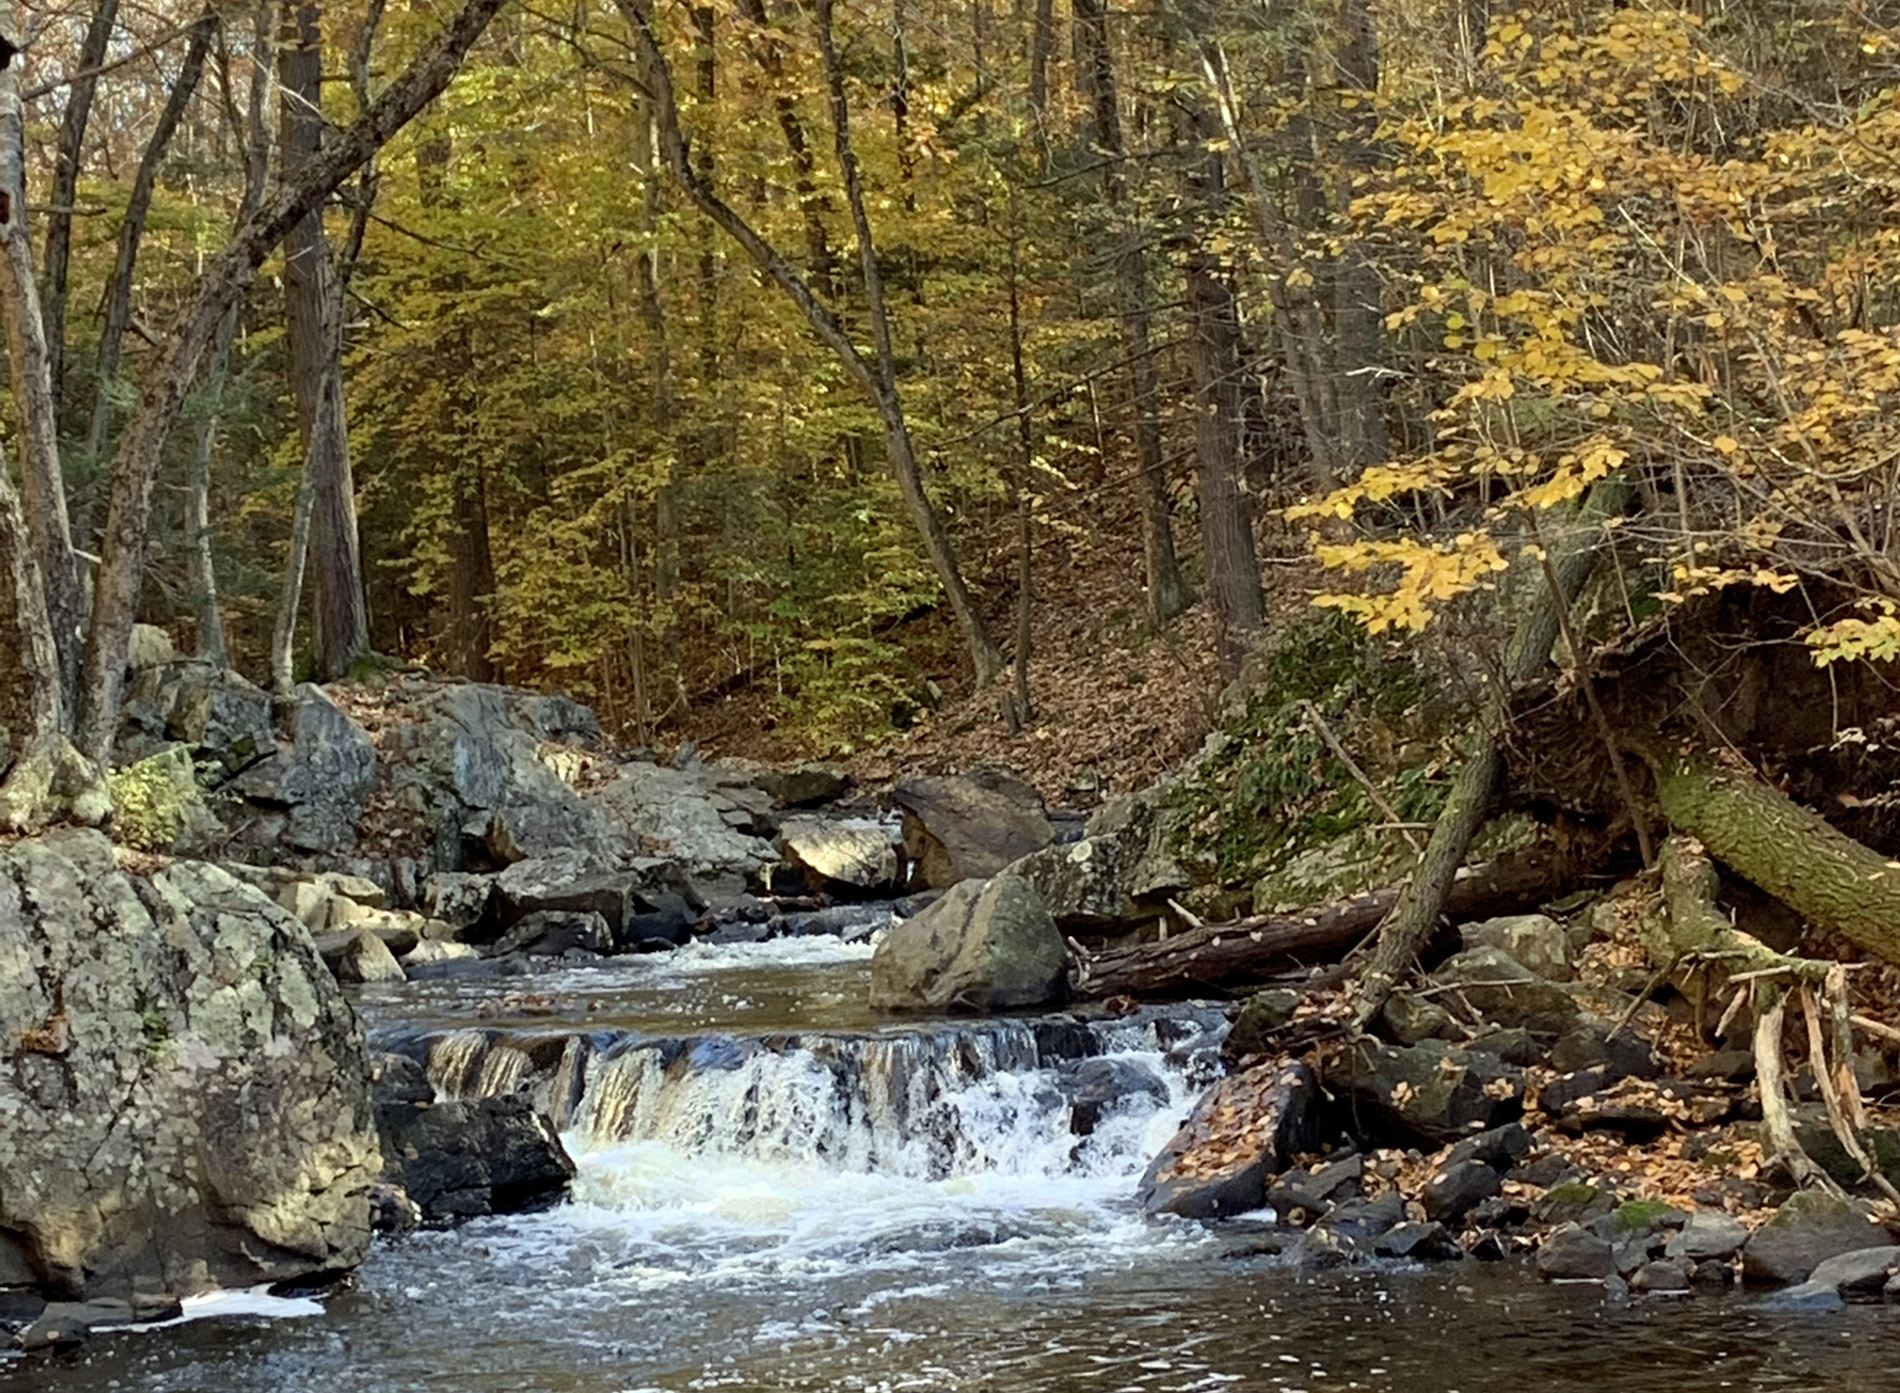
(930, 1102)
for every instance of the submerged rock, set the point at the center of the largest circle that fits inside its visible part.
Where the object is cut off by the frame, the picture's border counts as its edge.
(187, 1098)
(985, 946)
(1245, 1128)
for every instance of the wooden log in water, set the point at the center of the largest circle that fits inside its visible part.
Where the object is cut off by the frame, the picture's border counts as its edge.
(1226, 956)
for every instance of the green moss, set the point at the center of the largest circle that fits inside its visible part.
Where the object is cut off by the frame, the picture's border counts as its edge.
(1572, 1192)
(1275, 791)
(1640, 1216)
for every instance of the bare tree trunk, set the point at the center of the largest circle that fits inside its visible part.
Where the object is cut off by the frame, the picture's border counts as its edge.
(821, 263)
(1358, 321)
(65, 187)
(204, 577)
(1021, 481)
(135, 466)
(341, 617)
(131, 233)
(44, 777)
(1167, 588)
(30, 705)
(876, 376)
(42, 482)
(1407, 929)
(1233, 566)
(471, 574)
(211, 645)
(666, 510)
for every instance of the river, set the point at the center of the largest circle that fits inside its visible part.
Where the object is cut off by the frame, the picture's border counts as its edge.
(779, 1191)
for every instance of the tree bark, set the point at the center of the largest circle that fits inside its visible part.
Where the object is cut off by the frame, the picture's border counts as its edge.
(1022, 479)
(875, 376)
(341, 617)
(1168, 593)
(135, 465)
(1764, 836)
(1233, 566)
(212, 646)
(1406, 930)
(131, 234)
(65, 186)
(1226, 956)
(42, 482)
(769, 51)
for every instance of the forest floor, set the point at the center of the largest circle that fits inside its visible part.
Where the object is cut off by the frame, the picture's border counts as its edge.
(1118, 704)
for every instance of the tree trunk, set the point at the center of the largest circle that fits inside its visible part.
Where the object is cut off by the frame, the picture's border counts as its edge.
(341, 618)
(1406, 930)
(1167, 588)
(212, 646)
(44, 778)
(135, 465)
(65, 186)
(471, 575)
(1764, 836)
(119, 289)
(1358, 339)
(1227, 956)
(42, 483)
(821, 264)
(30, 705)
(1022, 478)
(1233, 566)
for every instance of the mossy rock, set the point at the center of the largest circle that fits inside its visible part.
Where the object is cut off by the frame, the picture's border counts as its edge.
(1639, 1218)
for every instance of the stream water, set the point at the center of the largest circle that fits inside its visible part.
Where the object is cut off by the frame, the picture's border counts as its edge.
(778, 1191)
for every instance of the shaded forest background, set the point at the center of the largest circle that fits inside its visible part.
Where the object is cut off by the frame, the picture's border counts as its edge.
(1157, 300)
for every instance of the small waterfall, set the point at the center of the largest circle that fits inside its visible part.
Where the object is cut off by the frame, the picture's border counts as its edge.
(989, 1097)
(454, 1062)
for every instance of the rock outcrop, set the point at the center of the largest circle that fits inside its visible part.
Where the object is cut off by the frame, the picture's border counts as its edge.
(186, 1092)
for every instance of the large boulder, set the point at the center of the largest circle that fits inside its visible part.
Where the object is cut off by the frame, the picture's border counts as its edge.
(984, 946)
(321, 777)
(214, 711)
(509, 803)
(969, 826)
(186, 1092)
(1810, 1228)
(1509, 994)
(1245, 1128)
(855, 857)
(1535, 941)
(694, 816)
(1116, 876)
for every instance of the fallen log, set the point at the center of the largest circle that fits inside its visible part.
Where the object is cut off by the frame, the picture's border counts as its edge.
(1239, 954)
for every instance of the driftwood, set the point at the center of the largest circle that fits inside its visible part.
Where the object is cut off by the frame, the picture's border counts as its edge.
(1218, 956)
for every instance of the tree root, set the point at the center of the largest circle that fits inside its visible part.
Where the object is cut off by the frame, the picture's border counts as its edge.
(1691, 933)
(51, 782)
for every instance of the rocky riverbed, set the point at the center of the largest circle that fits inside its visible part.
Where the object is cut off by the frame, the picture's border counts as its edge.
(479, 861)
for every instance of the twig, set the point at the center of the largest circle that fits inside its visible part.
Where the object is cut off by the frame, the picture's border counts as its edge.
(1325, 733)
(1876, 1028)
(1194, 920)
(1654, 982)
